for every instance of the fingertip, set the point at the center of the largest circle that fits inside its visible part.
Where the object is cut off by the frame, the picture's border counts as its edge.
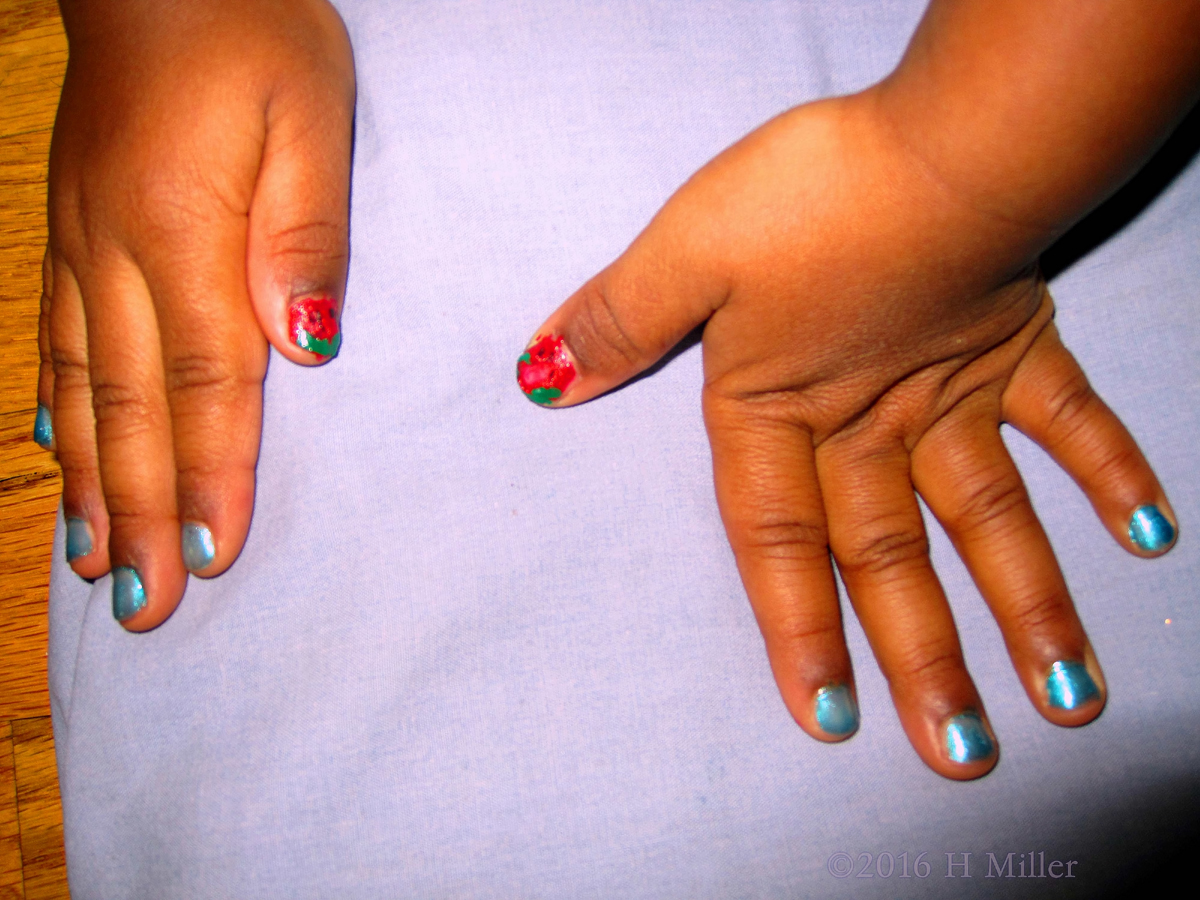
(86, 545)
(81, 541)
(546, 370)
(128, 594)
(148, 577)
(145, 597)
(209, 551)
(954, 739)
(835, 712)
(307, 331)
(826, 711)
(614, 327)
(43, 428)
(1152, 529)
(314, 329)
(969, 748)
(197, 547)
(216, 504)
(1073, 691)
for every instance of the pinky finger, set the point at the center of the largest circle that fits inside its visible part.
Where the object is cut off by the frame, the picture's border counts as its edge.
(43, 428)
(1050, 401)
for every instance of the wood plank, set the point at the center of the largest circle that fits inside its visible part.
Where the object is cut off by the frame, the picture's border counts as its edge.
(11, 885)
(23, 15)
(33, 55)
(32, 62)
(43, 861)
(27, 513)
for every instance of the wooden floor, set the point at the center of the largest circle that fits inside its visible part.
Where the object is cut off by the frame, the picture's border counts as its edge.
(33, 56)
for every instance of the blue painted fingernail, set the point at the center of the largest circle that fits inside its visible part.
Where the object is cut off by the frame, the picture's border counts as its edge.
(837, 713)
(79, 539)
(198, 547)
(967, 740)
(1149, 529)
(1069, 685)
(43, 429)
(128, 595)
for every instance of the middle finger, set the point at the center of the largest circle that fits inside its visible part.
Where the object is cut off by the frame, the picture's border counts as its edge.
(879, 541)
(133, 436)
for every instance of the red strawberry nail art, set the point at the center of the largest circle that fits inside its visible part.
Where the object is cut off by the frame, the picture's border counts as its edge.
(313, 325)
(544, 371)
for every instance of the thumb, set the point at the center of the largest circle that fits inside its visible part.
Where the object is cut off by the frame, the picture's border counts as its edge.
(298, 241)
(625, 318)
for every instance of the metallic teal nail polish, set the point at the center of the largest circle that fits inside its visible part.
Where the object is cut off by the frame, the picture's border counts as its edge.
(837, 713)
(1149, 529)
(1069, 685)
(967, 740)
(128, 595)
(197, 544)
(79, 539)
(43, 429)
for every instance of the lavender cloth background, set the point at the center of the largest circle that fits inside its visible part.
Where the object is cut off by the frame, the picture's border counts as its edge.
(474, 648)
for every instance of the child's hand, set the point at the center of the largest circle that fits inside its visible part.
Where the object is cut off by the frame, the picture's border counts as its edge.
(199, 184)
(873, 314)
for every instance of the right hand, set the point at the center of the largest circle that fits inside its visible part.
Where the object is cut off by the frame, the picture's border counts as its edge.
(864, 269)
(199, 185)
(866, 332)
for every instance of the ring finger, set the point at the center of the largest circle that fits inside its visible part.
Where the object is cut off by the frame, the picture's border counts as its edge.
(75, 426)
(964, 472)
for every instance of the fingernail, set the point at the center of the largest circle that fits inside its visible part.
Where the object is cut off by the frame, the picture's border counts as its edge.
(545, 370)
(1069, 685)
(128, 595)
(79, 539)
(1149, 529)
(43, 429)
(837, 713)
(967, 739)
(198, 547)
(313, 325)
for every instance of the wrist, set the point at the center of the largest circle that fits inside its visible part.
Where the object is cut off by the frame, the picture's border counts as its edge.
(969, 224)
(1009, 210)
(1034, 111)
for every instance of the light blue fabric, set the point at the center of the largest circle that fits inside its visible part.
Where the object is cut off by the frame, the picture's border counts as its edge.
(475, 648)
